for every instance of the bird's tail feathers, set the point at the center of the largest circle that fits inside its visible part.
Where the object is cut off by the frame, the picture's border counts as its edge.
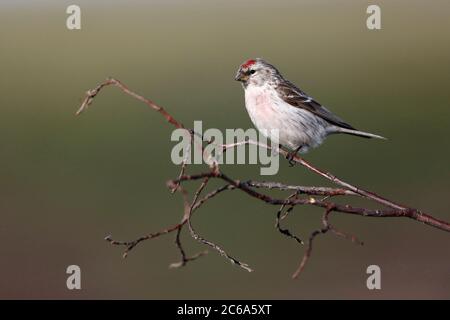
(359, 133)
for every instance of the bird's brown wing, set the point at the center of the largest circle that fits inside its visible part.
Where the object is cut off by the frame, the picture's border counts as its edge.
(297, 98)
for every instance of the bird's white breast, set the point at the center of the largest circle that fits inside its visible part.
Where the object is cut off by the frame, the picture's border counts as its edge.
(295, 126)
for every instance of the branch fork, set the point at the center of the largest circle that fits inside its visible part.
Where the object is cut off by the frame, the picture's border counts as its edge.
(300, 196)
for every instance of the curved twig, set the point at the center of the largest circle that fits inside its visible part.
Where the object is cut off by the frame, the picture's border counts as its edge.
(391, 208)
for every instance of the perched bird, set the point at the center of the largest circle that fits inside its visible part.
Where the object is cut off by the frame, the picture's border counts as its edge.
(275, 103)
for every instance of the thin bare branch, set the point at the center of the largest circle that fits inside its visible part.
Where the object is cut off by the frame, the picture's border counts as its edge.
(131, 244)
(184, 258)
(390, 208)
(197, 237)
(281, 216)
(308, 252)
(313, 191)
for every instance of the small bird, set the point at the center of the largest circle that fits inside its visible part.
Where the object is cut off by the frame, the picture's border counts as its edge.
(275, 103)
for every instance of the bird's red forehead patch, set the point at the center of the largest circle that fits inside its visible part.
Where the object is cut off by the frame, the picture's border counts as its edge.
(248, 63)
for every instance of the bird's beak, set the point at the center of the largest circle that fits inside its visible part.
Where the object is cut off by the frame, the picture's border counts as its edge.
(241, 76)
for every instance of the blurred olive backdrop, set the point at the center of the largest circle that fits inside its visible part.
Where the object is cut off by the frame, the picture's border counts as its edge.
(66, 182)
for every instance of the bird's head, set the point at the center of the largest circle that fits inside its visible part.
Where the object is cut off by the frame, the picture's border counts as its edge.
(256, 72)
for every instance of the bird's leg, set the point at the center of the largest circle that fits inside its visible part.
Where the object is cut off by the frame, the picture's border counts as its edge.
(290, 156)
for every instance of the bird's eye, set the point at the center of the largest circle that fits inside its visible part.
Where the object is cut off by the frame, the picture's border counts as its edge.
(252, 71)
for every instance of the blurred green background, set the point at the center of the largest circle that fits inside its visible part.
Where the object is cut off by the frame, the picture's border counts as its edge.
(67, 182)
